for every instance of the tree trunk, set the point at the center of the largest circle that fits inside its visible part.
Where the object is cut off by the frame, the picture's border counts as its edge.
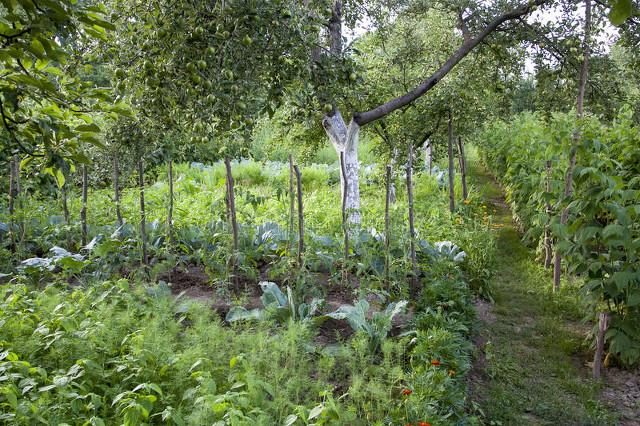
(65, 205)
(292, 207)
(463, 168)
(428, 156)
(548, 243)
(452, 195)
(83, 211)
(568, 187)
(170, 209)
(116, 190)
(232, 218)
(345, 225)
(387, 228)
(143, 217)
(412, 232)
(345, 139)
(603, 323)
(300, 215)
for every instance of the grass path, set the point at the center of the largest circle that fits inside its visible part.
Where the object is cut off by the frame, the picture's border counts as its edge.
(531, 352)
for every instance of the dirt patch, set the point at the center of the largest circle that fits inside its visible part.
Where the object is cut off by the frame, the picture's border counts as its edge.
(477, 377)
(622, 394)
(187, 278)
(483, 309)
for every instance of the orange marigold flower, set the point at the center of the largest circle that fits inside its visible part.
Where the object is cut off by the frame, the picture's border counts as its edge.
(407, 392)
(435, 362)
(424, 424)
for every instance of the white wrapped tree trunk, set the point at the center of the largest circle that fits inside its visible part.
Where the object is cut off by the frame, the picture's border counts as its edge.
(345, 139)
(428, 156)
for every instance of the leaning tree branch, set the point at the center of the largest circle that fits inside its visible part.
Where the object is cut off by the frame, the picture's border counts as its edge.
(362, 118)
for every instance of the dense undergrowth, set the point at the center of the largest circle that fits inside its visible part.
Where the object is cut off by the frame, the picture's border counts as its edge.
(88, 337)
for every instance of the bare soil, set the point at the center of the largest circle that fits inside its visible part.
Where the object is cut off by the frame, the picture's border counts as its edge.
(622, 394)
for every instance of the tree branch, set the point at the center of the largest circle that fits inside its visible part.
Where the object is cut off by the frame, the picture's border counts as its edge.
(380, 111)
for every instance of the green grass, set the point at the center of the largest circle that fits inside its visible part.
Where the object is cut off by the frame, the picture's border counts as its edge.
(534, 372)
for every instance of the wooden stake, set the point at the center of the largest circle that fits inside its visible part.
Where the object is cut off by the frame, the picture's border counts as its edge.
(387, 227)
(412, 232)
(170, 209)
(83, 211)
(300, 215)
(232, 218)
(463, 168)
(292, 208)
(12, 197)
(548, 243)
(452, 195)
(116, 190)
(143, 217)
(603, 323)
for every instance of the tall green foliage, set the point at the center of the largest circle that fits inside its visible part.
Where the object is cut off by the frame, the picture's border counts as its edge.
(601, 241)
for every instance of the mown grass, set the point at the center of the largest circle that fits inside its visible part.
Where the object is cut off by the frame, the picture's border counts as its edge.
(535, 350)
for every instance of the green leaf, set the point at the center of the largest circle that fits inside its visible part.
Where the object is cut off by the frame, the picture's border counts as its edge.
(612, 230)
(291, 419)
(620, 11)
(315, 412)
(60, 179)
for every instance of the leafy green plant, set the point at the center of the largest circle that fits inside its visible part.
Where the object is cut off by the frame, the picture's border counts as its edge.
(375, 325)
(277, 306)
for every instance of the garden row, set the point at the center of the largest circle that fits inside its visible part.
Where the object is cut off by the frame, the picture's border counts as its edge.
(588, 216)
